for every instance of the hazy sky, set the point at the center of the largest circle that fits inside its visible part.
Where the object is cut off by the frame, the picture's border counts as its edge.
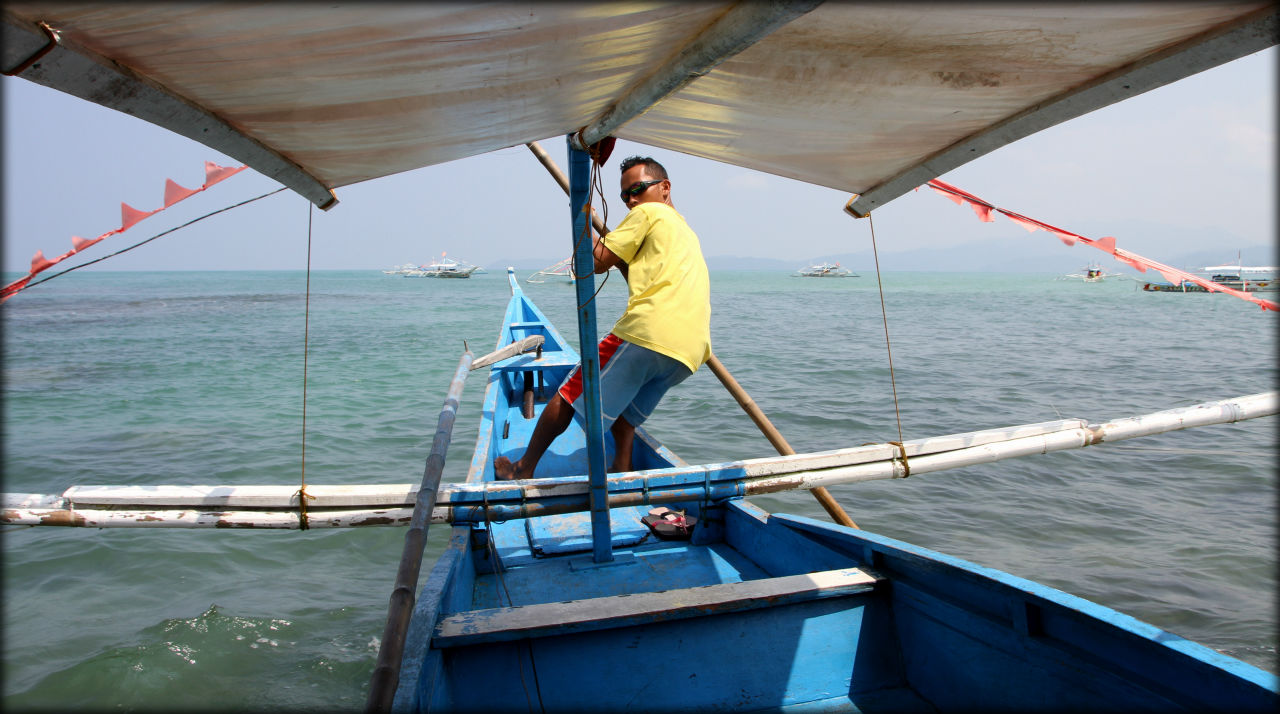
(1187, 167)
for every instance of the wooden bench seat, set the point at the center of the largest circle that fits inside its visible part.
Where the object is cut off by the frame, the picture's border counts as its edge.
(502, 624)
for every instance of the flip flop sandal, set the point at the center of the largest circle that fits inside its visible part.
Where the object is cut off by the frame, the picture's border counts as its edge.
(670, 525)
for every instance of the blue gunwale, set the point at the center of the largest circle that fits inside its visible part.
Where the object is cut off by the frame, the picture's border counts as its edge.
(935, 633)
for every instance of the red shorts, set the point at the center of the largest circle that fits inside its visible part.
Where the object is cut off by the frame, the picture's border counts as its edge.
(572, 388)
(632, 381)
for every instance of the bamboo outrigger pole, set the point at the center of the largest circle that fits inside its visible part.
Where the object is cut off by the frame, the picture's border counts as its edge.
(275, 507)
(739, 394)
(386, 673)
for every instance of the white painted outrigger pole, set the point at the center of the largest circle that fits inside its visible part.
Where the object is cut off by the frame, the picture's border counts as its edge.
(275, 507)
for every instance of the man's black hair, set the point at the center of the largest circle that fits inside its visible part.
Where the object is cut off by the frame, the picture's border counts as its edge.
(655, 168)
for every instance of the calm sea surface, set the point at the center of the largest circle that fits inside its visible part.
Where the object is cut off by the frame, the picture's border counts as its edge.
(196, 378)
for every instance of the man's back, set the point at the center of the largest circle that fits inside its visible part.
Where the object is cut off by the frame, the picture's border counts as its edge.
(669, 308)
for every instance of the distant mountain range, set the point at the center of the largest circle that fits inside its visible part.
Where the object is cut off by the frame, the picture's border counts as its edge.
(1008, 256)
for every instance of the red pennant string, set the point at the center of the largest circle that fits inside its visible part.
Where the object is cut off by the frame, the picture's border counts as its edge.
(174, 193)
(14, 287)
(129, 216)
(1106, 244)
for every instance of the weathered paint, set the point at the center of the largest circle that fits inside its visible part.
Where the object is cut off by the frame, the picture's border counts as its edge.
(942, 634)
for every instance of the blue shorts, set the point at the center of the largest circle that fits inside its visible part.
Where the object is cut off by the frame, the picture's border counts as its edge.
(632, 380)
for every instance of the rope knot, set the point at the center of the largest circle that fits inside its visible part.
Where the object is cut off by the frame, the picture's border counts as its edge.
(902, 456)
(302, 495)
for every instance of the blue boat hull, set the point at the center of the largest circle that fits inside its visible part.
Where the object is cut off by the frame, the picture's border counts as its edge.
(758, 612)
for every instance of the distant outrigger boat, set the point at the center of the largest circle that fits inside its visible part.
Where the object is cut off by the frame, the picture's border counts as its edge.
(444, 268)
(559, 273)
(401, 269)
(825, 270)
(1091, 273)
(1245, 278)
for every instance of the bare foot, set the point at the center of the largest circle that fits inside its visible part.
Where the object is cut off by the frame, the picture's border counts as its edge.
(505, 470)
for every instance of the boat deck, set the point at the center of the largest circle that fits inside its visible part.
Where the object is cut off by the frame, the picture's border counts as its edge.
(648, 566)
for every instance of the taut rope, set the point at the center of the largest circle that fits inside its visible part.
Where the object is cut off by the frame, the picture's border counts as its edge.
(306, 332)
(888, 350)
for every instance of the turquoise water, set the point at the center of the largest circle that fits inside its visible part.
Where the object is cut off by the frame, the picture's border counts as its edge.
(196, 378)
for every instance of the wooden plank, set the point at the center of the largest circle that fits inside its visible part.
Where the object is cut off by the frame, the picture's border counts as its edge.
(510, 350)
(502, 624)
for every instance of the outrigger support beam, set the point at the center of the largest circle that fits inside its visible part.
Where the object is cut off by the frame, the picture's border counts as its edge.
(742, 26)
(275, 507)
(583, 269)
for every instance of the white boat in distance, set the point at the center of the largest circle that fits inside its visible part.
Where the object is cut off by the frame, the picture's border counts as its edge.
(825, 270)
(444, 268)
(1250, 278)
(1246, 278)
(559, 273)
(1091, 273)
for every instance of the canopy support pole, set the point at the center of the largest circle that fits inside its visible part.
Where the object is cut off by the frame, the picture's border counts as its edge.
(584, 281)
(829, 503)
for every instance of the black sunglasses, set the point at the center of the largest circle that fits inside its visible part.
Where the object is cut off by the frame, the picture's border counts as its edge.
(638, 188)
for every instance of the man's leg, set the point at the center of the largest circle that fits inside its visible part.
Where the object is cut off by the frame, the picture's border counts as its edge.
(623, 435)
(554, 420)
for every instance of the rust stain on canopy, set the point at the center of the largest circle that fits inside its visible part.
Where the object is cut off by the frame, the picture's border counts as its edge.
(849, 96)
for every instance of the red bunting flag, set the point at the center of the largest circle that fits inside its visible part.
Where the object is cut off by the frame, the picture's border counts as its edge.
(129, 216)
(953, 197)
(174, 193)
(214, 173)
(1068, 238)
(39, 262)
(80, 244)
(1106, 244)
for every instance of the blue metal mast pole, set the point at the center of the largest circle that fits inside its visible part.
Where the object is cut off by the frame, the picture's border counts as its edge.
(585, 283)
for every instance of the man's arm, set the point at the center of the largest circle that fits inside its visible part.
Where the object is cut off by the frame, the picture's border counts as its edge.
(605, 259)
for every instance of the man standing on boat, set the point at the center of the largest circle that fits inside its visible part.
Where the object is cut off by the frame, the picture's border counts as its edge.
(664, 334)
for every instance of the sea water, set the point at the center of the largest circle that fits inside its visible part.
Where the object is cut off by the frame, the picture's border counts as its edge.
(197, 378)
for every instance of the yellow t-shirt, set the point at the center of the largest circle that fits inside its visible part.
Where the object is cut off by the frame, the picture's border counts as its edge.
(669, 308)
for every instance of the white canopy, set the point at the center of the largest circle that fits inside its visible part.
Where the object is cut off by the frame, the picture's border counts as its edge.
(872, 99)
